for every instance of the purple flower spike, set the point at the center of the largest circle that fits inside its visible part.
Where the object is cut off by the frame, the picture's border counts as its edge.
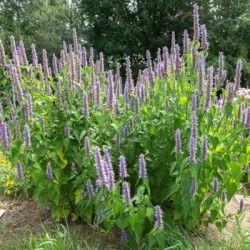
(194, 187)
(178, 141)
(215, 185)
(49, 171)
(4, 135)
(204, 42)
(201, 70)
(83, 194)
(17, 129)
(19, 168)
(186, 41)
(45, 64)
(98, 161)
(158, 218)
(67, 129)
(75, 39)
(165, 60)
(90, 189)
(126, 193)
(87, 145)
(108, 159)
(97, 92)
(111, 180)
(142, 167)
(2, 54)
(34, 56)
(204, 148)
(238, 74)
(242, 204)
(27, 136)
(122, 167)
(126, 131)
(73, 167)
(124, 237)
(209, 87)
(196, 23)
(192, 150)
(224, 196)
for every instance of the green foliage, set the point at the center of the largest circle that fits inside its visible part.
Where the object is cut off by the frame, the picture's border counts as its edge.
(48, 23)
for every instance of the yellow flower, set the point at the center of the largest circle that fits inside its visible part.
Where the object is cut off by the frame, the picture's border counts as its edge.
(7, 177)
(8, 192)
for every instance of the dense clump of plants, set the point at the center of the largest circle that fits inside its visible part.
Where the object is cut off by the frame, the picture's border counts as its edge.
(172, 143)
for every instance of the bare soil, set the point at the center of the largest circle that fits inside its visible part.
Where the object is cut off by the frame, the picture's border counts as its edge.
(23, 218)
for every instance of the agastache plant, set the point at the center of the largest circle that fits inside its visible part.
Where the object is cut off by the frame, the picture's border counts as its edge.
(27, 141)
(19, 169)
(194, 187)
(49, 171)
(142, 167)
(215, 185)
(122, 167)
(170, 112)
(87, 145)
(126, 193)
(178, 141)
(158, 218)
(90, 189)
(238, 74)
(196, 23)
(204, 148)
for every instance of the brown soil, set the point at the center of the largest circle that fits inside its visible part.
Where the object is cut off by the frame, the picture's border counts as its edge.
(231, 232)
(23, 219)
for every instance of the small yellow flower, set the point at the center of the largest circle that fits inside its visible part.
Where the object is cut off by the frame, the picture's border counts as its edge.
(7, 177)
(8, 192)
(7, 184)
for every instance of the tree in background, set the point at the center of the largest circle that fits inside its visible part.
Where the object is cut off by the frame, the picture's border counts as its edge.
(45, 23)
(130, 27)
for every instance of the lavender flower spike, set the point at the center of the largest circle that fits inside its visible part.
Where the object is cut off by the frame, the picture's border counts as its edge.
(196, 23)
(4, 135)
(224, 196)
(122, 167)
(194, 187)
(87, 145)
(126, 193)
(142, 167)
(49, 171)
(90, 189)
(242, 204)
(215, 185)
(124, 236)
(204, 148)
(238, 74)
(108, 159)
(27, 136)
(73, 167)
(178, 141)
(192, 150)
(158, 218)
(19, 168)
(67, 129)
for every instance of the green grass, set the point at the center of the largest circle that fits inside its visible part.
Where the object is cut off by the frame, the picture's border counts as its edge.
(177, 238)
